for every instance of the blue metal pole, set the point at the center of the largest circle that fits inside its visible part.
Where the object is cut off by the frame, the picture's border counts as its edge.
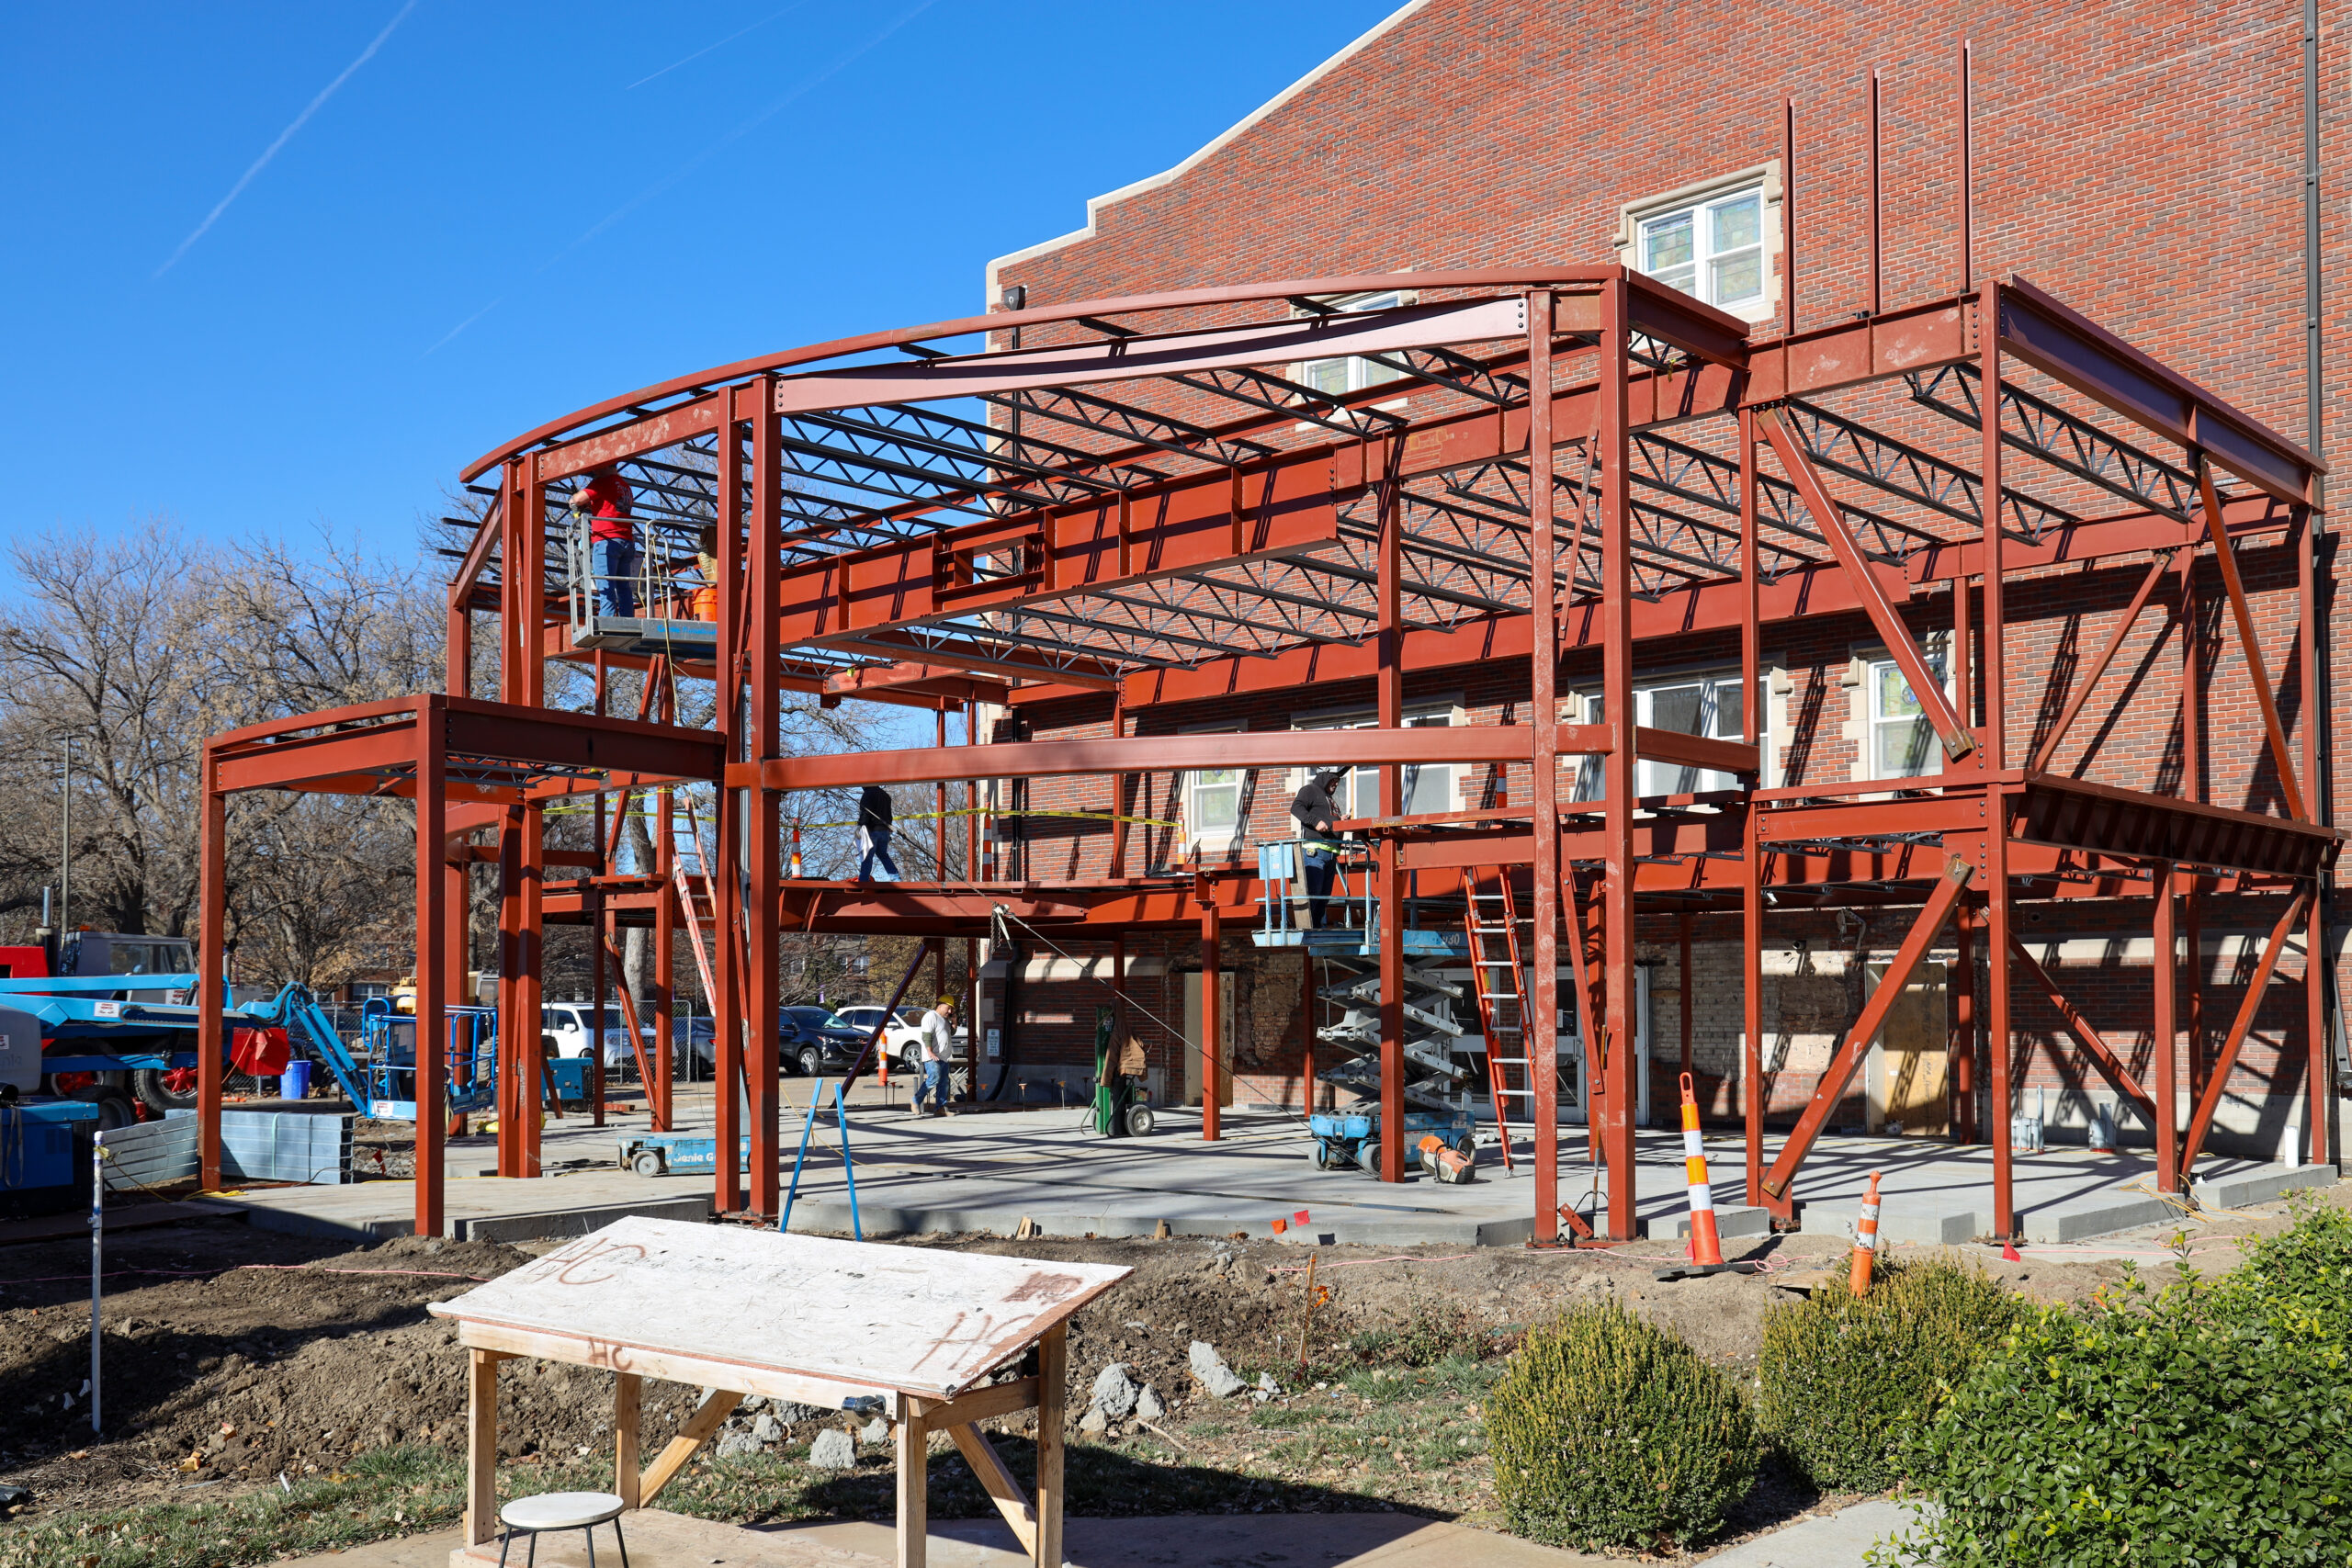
(784, 1220)
(840, 1114)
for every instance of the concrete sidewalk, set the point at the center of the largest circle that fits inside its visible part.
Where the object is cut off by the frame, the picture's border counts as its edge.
(658, 1539)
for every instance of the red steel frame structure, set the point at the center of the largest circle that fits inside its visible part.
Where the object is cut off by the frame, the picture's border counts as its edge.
(1146, 499)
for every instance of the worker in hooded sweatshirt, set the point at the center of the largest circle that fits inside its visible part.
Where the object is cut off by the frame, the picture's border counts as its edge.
(1313, 809)
(874, 814)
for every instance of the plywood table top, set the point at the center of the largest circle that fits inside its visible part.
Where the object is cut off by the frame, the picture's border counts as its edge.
(645, 1294)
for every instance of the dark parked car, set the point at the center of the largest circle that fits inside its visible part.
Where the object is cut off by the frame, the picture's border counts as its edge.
(816, 1040)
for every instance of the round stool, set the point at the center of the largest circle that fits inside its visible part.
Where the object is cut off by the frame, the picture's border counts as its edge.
(581, 1511)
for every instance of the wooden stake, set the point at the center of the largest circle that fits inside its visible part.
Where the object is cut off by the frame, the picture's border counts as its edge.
(1307, 1322)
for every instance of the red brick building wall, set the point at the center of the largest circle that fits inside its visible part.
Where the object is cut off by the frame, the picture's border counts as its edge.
(2144, 162)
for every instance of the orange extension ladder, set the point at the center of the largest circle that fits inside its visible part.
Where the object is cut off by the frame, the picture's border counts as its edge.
(1490, 920)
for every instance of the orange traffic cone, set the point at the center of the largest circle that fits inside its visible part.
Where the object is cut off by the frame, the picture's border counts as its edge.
(1706, 1247)
(794, 869)
(1865, 1240)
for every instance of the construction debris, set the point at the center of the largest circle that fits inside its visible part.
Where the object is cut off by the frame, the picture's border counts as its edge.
(1209, 1370)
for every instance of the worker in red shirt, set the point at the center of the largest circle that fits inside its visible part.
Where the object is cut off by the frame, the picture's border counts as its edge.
(604, 500)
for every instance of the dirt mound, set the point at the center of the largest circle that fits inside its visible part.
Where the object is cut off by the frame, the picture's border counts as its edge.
(234, 1355)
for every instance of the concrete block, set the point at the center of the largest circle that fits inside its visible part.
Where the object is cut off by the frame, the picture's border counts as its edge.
(555, 1222)
(2265, 1184)
(328, 1227)
(2080, 1219)
(1731, 1219)
(1922, 1224)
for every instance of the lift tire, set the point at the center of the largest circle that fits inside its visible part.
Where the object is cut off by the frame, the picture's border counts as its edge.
(1320, 1152)
(648, 1162)
(1138, 1121)
(116, 1110)
(1368, 1157)
(152, 1087)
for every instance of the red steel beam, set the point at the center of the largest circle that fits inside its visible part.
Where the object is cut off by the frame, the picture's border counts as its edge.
(1254, 748)
(2082, 694)
(2071, 347)
(2112, 1067)
(2281, 756)
(1199, 524)
(1925, 687)
(1665, 312)
(1803, 594)
(1841, 1071)
(2200, 1121)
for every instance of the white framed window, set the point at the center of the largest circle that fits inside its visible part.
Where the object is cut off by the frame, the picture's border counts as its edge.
(1348, 372)
(1710, 704)
(1714, 240)
(1212, 799)
(1429, 788)
(1899, 741)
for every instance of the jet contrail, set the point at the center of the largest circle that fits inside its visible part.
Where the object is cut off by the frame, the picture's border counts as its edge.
(705, 48)
(283, 138)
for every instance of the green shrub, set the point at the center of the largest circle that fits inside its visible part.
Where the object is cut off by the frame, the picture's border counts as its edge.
(2183, 1430)
(1843, 1379)
(2305, 1271)
(1608, 1433)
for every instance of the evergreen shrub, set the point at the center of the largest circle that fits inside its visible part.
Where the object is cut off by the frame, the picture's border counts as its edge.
(1608, 1433)
(1843, 1379)
(2211, 1424)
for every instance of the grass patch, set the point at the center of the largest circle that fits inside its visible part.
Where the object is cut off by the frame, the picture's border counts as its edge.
(386, 1493)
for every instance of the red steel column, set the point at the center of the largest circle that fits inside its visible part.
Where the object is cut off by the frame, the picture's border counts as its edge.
(1996, 826)
(1212, 1080)
(1389, 874)
(532, 667)
(513, 566)
(601, 927)
(432, 960)
(1751, 878)
(2165, 1063)
(763, 835)
(939, 833)
(665, 928)
(1963, 1044)
(1616, 1108)
(726, 887)
(211, 970)
(1542, 1008)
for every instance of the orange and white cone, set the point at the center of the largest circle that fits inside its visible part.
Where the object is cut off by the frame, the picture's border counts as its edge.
(1706, 1247)
(1865, 1239)
(794, 869)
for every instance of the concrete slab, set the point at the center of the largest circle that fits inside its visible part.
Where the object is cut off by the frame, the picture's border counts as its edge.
(660, 1540)
(986, 1172)
(2263, 1184)
(1222, 1540)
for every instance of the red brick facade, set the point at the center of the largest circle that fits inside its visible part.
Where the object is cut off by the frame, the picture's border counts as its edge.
(2143, 163)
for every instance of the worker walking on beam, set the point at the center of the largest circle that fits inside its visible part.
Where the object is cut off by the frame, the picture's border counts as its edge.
(876, 811)
(1313, 809)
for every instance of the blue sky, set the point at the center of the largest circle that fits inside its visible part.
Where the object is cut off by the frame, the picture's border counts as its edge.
(505, 212)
